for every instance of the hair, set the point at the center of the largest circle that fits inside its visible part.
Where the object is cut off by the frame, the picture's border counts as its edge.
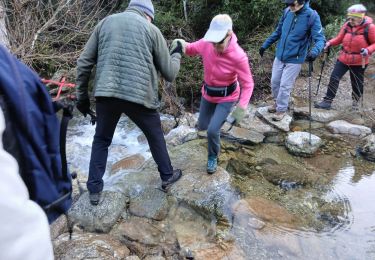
(301, 2)
(358, 8)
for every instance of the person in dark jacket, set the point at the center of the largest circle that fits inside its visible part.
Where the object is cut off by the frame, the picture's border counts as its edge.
(298, 25)
(354, 55)
(129, 52)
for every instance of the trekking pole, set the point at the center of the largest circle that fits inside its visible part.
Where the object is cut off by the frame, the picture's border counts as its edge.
(363, 62)
(311, 68)
(326, 54)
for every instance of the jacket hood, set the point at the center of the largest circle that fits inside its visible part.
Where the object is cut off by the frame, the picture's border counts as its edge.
(368, 20)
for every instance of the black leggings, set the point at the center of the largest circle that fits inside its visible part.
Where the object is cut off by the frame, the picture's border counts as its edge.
(356, 78)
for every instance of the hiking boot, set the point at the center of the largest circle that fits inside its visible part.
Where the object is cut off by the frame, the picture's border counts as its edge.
(165, 185)
(211, 164)
(272, 109)
(325, 104)
(279, 116)
(94, 198)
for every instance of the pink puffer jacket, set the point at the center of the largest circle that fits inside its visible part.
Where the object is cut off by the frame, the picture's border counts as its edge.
(222, 69)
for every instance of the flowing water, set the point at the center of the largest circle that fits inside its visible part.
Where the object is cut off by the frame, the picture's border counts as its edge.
(349, 234)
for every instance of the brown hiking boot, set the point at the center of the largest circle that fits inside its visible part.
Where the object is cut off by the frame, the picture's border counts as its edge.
(278, 116)
(272, 109)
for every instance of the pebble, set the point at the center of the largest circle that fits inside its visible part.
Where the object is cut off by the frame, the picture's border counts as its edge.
(258, 168)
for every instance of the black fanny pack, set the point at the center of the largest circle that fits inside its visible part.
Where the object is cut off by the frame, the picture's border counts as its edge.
(221, 91)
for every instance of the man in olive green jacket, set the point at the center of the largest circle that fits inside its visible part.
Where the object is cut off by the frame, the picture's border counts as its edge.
(129, 52)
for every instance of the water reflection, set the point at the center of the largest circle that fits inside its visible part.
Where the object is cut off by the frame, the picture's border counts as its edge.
(349, 235)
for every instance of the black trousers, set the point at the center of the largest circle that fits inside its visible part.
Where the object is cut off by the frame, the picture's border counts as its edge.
(108, 112)
(356, 78)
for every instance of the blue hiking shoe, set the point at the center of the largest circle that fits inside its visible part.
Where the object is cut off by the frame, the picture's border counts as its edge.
(211, 164)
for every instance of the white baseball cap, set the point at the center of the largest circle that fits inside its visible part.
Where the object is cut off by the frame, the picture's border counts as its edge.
(219, 27)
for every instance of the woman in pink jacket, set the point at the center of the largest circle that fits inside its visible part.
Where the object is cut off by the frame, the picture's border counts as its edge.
(227, 81)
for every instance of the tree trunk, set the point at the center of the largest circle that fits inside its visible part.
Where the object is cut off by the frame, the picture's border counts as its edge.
(3, 30)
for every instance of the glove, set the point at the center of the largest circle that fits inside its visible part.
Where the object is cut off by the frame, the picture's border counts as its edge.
(238, 114)
(83, 106)
(177, 46)
(364, 52)
(261, 51)
(310, 57)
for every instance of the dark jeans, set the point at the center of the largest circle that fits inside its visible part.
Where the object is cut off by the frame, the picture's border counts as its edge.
(108, 112)
(356, 78)
(211, 118)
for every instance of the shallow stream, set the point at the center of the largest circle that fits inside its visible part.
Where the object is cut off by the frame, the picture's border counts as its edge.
(328, 215)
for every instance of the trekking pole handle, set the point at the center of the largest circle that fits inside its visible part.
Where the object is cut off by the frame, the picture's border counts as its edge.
(363, 62)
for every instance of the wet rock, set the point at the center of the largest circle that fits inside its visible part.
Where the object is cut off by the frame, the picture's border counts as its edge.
(275, 139)
(271, 211)
(88, 246)
(279, 173)
(343, 127)
(59, 226)
(98, 218)
(168, 122)
(367, 150)
(180, 135)
(153, 204)
(298, 143)
(252, 122)
(132, 162)
(146, 237)
(283, 125)
(215, 252)
(242, 135)
(319, 115)
(243, 216)
(189, 119)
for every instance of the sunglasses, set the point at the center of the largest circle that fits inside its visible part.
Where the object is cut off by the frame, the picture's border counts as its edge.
(292, 4)
(222, 41)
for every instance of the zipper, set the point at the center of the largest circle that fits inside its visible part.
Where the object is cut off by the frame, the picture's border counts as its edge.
(290, 28)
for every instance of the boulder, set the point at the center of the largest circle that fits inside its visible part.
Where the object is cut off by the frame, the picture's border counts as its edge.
(367, 150)
(343, 127)
(88, 246)
(283, 125)
(98, 218)
(301, 144)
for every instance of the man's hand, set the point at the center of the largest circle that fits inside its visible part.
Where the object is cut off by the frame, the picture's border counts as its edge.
(83, 106)
(310, 57)
(261, 51)
(178, 46)
(238, 114)
(364, 52)
(327, 46)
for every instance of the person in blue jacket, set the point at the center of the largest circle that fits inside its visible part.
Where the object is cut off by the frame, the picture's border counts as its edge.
(298, 28)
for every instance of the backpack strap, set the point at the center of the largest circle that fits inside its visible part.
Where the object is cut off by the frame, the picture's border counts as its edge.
(365, 34)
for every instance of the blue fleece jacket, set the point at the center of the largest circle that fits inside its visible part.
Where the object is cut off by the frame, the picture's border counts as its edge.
(293, 36)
